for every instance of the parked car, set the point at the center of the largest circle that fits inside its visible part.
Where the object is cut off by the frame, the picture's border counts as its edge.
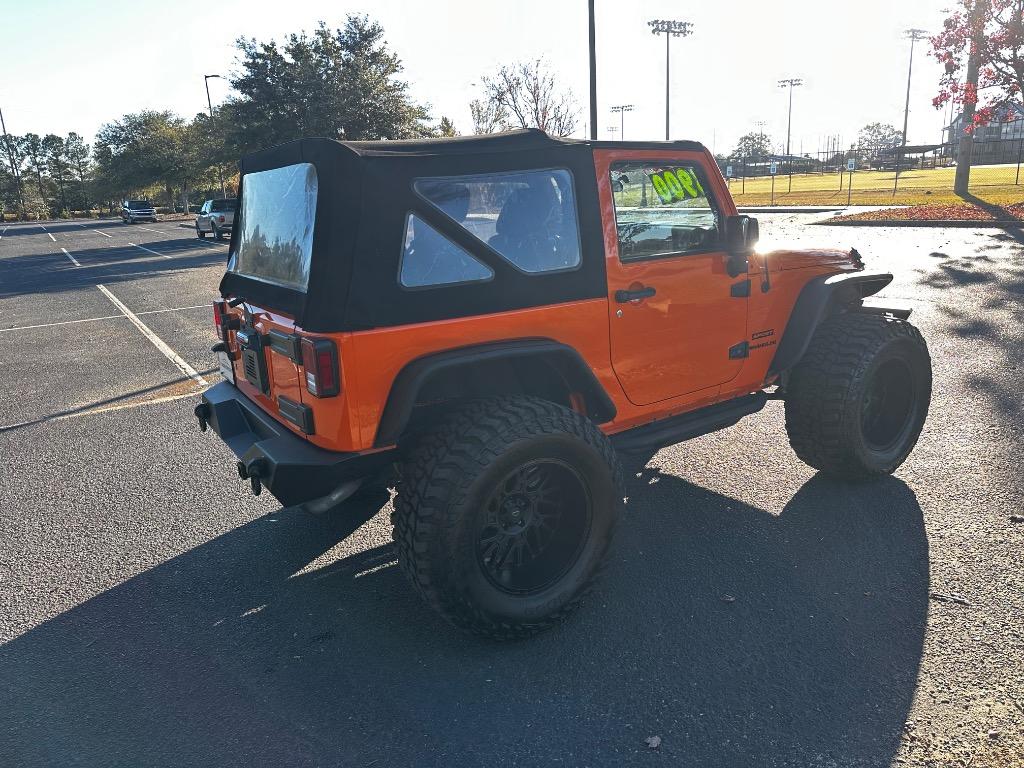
(216, 217)
(502, 318)
(133, 211)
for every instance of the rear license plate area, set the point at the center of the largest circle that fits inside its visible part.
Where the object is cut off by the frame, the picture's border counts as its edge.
(227, 370)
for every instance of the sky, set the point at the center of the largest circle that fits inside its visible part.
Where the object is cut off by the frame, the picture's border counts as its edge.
(73, 66)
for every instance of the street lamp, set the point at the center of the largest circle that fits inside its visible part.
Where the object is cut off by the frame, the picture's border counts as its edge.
(914, 35)
(612, 129)
(670, 29)
(622, 109)
(791, 83)
(209, 103)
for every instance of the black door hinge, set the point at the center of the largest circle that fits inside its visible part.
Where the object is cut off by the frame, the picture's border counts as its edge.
(740, 290)
(739, 351)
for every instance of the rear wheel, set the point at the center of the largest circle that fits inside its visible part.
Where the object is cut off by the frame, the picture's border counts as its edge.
(505, 514)
(199, 233)
(216, 232)
(857, 401)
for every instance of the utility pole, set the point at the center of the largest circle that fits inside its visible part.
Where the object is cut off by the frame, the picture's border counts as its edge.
(209, 103)
(14, 166)
(622, 109)
(962, 180)
(670, 29)
(593, 70)
(791, 83)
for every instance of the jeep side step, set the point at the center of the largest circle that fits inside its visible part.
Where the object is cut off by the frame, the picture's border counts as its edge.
(686, 426)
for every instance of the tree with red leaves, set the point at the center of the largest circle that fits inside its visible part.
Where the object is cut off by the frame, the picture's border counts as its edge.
(993, 31)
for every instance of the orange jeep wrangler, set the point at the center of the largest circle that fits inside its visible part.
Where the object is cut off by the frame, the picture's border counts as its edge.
(501, 318)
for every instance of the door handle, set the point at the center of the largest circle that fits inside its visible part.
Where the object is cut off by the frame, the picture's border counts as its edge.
(624, 297)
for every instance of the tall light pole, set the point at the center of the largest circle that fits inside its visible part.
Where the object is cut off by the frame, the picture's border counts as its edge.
(209, 103)
(593, 69)
(612, 129)
(791, 83)
(914, 35)
(670, 29)
(622, 109)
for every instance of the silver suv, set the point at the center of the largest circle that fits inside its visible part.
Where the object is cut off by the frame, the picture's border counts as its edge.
(137, 210)
(216, 217)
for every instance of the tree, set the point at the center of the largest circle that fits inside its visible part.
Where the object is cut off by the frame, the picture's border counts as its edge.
(488, 116)
(446, 128)
(145, 149)
(998, 26)
(31, 145)
(57, 165)
(526, 95)
(340, 83)
(875, 137)
(78, 158)
(752, 145)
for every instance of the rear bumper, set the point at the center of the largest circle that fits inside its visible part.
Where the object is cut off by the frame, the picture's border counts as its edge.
(292, 469)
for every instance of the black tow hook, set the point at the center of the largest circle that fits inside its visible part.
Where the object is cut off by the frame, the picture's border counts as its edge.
(202, 412)
(253, 472)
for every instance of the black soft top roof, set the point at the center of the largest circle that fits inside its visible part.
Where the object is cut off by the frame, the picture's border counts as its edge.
(523, 140)
(365, 194)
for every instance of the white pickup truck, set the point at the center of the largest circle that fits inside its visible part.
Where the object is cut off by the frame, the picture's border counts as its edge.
(216, 217)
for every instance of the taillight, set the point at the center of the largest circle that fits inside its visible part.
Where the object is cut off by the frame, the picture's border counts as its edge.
(220, 219)
(224, 320)
(320, 360)
(219, 311)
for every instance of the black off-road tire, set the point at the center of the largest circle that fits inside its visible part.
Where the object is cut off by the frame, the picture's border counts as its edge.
(217, 233)
(199, 233)
(857, 401)
(447, 501)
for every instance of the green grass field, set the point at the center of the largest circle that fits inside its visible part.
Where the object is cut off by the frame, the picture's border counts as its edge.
(993, 184)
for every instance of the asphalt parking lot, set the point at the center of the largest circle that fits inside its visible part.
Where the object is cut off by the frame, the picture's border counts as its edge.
(152, 612)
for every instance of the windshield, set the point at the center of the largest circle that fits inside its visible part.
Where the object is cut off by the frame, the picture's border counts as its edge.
(278, 212)
(224, 205)
(137, 205)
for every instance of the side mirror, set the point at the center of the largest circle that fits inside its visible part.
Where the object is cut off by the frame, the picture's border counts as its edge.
(741, 235)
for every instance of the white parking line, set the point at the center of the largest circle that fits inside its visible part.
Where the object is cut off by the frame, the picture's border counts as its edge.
(158, 231)
(73, 259)
(47, 233)
(149, 250)
(98, 232)
(157, 342)
(105, 317)
(2, 233)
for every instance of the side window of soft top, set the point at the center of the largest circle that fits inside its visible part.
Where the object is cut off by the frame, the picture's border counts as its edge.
(527, 217)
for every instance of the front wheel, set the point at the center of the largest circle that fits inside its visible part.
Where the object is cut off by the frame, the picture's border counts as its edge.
(505, 514)
(857, 401)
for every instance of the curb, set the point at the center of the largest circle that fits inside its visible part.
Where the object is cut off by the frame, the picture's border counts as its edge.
(784, 209)
(994, 223)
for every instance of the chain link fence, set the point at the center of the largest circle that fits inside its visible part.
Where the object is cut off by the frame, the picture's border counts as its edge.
(877, 176)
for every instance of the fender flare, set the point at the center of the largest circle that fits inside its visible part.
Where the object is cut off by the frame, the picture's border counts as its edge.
(417, 373)
(815, 302)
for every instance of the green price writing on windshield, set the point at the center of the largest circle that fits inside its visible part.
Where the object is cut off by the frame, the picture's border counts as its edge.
(675, 184)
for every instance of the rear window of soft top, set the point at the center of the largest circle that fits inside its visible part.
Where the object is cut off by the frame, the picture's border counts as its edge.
(276, 232)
